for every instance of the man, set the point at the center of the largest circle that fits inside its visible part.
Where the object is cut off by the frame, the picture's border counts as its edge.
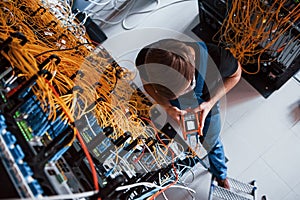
(184, 77)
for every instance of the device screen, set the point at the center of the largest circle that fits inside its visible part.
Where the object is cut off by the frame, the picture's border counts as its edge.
(190, 125)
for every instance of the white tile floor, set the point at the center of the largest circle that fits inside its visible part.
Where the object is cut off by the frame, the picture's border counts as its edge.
(261, 136)
(263, 143)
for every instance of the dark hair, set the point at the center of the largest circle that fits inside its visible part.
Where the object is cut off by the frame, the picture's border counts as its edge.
(166, 65)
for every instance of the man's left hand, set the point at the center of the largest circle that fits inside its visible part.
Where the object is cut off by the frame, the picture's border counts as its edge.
(203, 109)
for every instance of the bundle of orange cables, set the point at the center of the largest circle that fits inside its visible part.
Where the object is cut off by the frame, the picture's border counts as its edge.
(249, 23)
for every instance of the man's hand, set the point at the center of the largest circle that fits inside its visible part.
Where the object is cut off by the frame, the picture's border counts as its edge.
(203, 109)
(175, 112)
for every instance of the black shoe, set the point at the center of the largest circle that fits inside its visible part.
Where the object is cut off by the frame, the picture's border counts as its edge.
(223, 183)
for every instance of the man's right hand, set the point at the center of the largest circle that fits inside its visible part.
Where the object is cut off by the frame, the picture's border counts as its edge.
(175, 112)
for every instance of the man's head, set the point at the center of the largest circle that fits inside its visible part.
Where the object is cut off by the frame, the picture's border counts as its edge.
(168, 66)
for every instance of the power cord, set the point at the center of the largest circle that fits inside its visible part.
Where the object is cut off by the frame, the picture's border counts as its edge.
(63, 196)
(128, 14)
(152, 11)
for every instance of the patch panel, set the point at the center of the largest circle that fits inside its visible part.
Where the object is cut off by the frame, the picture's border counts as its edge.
(34, 167)
(17, 153)
(35, 188)
(33, 122)
(68, 173)
(58, 178)
(2, 123)
(9, 139)
(25, 170)
(18, 170)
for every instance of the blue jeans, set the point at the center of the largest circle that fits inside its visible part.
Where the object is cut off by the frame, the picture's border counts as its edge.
(211, 135)
(213, 144)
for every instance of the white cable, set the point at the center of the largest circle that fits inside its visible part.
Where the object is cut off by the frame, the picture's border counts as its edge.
(172, 146)
(114, 8)
(147, 184)
(140, 12)
(151, 153)
(184, 166)
(184, 180)
(183, 187)
(99, 4)
(89, 125)
(124, 25)
(124, 161)
(62, 9)
(165, 196)
(13, 80)
(159, 152)
(71, 3)
(63, 196)
(163, 193)
(128, 14)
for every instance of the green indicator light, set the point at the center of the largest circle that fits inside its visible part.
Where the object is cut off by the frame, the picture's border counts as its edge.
(22, 131)
(17, 114)
(60, 178)
(96, 152)
(85, 138)
(3, 97)
(25, 130)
